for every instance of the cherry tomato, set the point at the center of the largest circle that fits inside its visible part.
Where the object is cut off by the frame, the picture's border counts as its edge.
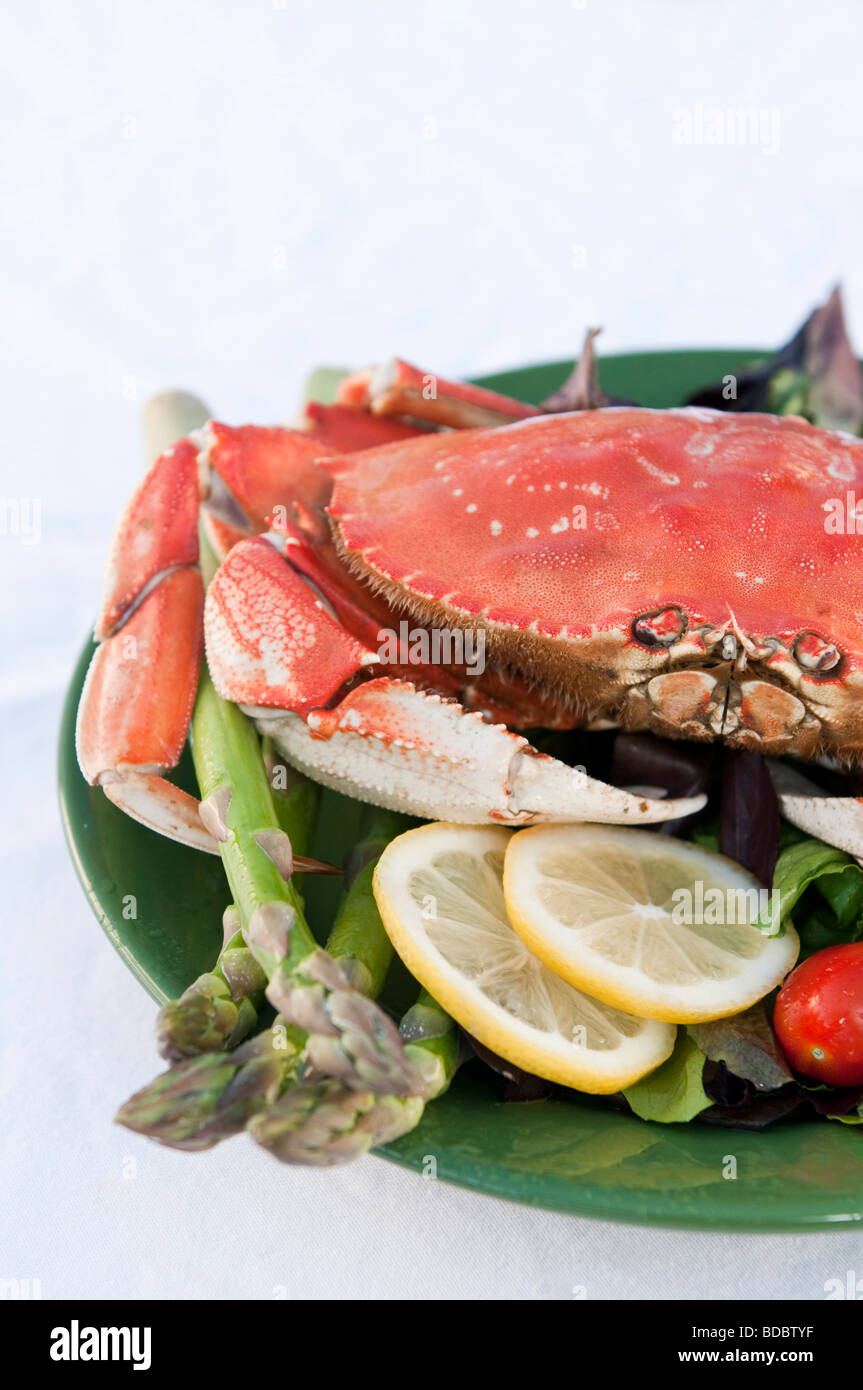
(819, 1016)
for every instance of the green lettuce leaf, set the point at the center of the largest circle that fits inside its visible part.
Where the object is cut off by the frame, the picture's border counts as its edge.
(674, 1092)
(823, 888)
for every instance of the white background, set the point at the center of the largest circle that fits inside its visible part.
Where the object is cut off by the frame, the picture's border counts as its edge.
(221, 195)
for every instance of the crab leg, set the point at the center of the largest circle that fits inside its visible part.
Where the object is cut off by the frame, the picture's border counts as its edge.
(274, 647)
(347, 429)
(131, 727)
(397, 388)
(157, 533)
(838, 820)
(140, 689)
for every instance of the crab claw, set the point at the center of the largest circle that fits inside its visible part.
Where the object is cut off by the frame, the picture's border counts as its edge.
(276, 648)
(136, 705)
(394, 745)
(838, 820)
(140, 688)
(250, 470)
(270, 639)
(397, 388)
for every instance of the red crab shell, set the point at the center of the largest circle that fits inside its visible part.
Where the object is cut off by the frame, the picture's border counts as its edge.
(665, 569)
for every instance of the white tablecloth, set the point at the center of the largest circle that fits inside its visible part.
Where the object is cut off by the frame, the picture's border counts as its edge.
(220, 195)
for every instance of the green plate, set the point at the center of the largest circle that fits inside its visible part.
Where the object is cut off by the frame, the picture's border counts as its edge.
(160, 906)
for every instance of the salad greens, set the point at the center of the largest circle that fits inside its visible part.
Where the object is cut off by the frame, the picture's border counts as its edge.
(823, 888)
(736, 1064)
(815, 375)
(675, 1091)
(747, 1045)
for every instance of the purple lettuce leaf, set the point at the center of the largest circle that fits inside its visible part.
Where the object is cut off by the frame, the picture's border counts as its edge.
(749, 813)
(581, 390)
(815, 374)
(747, 1046)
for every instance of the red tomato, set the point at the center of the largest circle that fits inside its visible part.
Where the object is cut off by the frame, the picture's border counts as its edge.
(819, 1016)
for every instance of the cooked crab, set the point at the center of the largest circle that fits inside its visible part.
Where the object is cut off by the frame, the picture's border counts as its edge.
(667, 570)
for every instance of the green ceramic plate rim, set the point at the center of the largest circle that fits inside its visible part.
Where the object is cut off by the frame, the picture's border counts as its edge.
(726, 1208)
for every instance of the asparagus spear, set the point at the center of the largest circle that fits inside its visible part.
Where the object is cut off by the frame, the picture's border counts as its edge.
(207, 1098)
(349, 1036)
(221, 1007)
(322, 1121)
(325, 1123)
(195, 1105)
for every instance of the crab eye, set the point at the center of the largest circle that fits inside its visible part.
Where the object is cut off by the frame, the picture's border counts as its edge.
(814, 654)
(661, 628)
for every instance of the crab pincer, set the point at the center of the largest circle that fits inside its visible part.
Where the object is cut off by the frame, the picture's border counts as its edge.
(140, 688)
(134, 712)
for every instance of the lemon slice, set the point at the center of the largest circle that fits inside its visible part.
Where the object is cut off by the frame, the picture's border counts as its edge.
(607, 908)
(440, 896)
